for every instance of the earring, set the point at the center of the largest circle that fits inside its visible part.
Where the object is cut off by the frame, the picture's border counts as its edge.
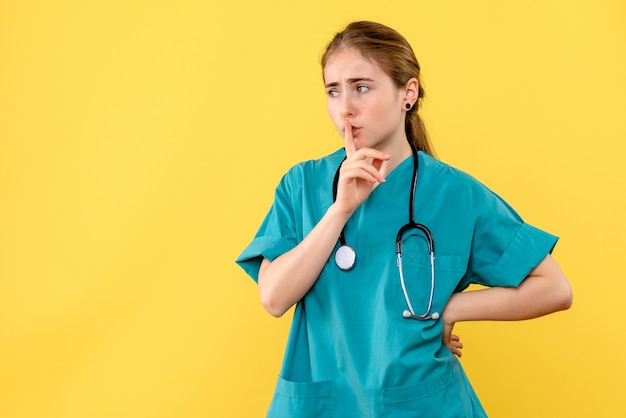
(408, 106)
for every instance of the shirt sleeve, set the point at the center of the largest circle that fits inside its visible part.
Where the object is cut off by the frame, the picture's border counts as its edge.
(505, 248)
(276, 235)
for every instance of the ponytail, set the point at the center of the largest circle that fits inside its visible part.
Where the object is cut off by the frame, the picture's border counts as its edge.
(415, 128)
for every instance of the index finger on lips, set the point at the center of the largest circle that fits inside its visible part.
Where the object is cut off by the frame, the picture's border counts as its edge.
(348, 139)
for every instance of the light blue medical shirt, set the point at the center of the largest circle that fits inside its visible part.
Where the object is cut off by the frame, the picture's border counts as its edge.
(351, 353)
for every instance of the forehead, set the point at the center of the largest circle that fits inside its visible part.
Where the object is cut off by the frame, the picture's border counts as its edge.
(349, 63)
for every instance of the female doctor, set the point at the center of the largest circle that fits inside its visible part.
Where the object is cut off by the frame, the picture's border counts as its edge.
(374, 245)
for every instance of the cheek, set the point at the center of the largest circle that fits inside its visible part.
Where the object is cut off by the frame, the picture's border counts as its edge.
(390, 111)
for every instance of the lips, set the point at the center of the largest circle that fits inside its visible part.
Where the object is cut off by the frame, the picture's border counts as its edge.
(355, 129)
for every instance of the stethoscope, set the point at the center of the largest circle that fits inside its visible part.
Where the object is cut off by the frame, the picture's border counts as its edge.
(345, 256)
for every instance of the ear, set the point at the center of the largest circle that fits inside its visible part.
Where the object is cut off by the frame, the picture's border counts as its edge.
(411, 91)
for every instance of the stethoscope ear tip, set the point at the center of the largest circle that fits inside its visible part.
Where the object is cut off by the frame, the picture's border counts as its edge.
(406, 314)
(435, 316)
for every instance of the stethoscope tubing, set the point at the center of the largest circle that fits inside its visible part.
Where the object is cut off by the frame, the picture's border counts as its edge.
(345, 255)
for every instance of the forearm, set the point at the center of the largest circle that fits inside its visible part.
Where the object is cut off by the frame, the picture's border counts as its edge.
(284, 281)
(544, 291)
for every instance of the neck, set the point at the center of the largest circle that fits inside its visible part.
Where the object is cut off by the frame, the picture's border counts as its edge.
(398, 154)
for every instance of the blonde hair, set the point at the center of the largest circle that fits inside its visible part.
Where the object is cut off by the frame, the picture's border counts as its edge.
(392, 52)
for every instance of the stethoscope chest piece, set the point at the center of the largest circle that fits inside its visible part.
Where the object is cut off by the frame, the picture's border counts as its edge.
(345, 257)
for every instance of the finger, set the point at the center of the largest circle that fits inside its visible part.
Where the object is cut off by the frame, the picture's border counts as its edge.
(377, 163)
(348, 175)
(371, 153)
(455, 350)
(455, 338)
(360, 169)
(348, 139)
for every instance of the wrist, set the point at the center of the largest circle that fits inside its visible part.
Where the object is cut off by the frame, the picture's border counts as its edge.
(450, 312)
(336, 210)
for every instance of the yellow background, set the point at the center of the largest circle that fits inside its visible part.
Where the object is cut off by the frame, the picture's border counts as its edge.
(140, 143)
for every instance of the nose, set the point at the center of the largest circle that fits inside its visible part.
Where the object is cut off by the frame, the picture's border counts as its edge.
(347, 107)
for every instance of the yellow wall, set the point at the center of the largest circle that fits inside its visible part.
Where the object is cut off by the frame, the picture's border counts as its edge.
(140, 143)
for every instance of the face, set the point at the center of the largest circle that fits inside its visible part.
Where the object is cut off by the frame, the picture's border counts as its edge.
(360, 91)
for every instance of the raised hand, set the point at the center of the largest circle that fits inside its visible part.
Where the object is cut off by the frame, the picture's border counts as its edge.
(359, 173)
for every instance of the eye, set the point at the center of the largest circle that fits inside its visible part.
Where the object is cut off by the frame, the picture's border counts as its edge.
(362, 89)
(332, 93)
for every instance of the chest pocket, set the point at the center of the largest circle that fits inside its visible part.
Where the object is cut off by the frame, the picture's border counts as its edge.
(418, 278)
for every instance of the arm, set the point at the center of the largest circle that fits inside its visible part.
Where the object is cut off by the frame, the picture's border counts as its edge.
(285, 280)
(545, 290)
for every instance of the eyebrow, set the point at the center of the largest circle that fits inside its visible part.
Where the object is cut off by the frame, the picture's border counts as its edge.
(350, 81)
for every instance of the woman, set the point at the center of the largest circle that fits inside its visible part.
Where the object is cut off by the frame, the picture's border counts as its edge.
(374, 245)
